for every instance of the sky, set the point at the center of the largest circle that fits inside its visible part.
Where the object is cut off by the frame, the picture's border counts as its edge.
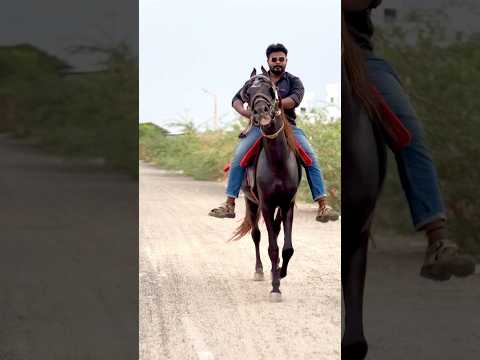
(189, 45)
(57, 25)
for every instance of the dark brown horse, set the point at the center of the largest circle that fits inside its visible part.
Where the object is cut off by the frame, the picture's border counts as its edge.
(363, 173)
(277, 177)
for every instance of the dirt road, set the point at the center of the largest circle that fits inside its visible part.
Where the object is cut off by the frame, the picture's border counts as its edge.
(197, 296)
(409, 317)
(68, 279)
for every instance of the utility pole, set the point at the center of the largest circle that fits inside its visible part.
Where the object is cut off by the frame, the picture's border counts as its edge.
(215, 107)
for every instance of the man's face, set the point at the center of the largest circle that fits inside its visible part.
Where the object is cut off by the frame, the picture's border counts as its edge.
(277, 62)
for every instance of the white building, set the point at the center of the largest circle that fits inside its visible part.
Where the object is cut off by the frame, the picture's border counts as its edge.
(329, 107)
(333, 101)
(453, 20)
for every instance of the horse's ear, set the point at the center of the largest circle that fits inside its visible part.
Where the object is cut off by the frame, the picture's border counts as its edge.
(264, 72)
(254, 72)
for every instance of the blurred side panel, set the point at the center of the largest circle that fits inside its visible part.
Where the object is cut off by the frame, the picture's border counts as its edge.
(68, 180)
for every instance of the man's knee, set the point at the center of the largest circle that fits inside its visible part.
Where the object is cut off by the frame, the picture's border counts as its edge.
(236, 159)
(239, 154)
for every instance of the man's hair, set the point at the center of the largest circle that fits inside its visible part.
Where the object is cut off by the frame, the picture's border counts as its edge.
(276, 47)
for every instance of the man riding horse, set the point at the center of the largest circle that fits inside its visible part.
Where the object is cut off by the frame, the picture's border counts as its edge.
(415, 166)
(290, 89)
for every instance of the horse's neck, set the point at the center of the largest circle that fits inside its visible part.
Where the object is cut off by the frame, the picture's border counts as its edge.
(277, 151)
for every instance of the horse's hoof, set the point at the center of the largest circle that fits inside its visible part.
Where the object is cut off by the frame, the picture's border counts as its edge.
(355, 351)
(283, 273)
(275, 297)
(258, 276)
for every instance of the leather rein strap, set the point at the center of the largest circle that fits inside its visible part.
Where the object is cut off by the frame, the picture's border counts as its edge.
(274, 135)
(275, 112)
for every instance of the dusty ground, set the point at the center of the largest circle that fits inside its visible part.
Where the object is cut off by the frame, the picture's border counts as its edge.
(68, 280)
(408, 317)
(197, 297)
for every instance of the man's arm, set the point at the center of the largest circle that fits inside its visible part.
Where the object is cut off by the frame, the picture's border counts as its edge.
(238, 106)
(359, 5)
(296, 95)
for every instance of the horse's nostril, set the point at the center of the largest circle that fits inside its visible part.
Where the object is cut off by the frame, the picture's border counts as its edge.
(265, 109)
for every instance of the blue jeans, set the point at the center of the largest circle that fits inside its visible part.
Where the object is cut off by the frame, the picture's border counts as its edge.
(236, 174)
(414, 162)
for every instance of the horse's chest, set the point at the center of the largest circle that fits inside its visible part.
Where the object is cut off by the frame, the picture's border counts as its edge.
(281, 187)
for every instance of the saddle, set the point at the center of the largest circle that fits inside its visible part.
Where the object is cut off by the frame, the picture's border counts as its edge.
(254, 150)
(249, 162)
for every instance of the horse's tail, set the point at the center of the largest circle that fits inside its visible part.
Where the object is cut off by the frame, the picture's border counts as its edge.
(245, 227)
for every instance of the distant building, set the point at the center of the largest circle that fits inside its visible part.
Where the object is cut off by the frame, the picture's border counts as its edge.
(333, 101)
(453, 21)
(326, 110)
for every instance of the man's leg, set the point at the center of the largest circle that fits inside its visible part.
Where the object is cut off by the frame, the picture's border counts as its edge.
(415, 167)
(235, 175)
(315, 179)
(417, 173)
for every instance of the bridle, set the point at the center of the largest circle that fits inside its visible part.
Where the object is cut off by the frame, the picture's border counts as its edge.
(276, 110)
(274, 135)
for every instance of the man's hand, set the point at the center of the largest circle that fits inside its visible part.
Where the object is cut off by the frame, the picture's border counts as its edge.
(356, 5)
(288, 103)
(238, 106)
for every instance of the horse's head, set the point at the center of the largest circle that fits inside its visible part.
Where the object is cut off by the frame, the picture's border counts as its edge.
(262, 98)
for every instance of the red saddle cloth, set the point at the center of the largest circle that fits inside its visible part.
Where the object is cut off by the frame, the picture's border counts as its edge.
(255, 148)
(399, 134)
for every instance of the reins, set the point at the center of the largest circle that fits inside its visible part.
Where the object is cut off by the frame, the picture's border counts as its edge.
(275, 135)
(275, 112)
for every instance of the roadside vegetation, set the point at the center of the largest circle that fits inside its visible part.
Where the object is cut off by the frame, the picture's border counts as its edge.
(74, 114)
(203, 155)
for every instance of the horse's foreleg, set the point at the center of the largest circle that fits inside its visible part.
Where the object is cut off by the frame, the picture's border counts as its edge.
(287, 250)
(278, 222)
(277, 225)
(252, 213)
(258, 261)
(354, 261)
(268, 214)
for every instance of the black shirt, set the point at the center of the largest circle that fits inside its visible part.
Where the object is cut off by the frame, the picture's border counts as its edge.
(288, 86)
(360, 25)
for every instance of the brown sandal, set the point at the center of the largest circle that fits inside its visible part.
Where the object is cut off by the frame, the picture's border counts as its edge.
(442, 260)
(223, 211)
(326, 214)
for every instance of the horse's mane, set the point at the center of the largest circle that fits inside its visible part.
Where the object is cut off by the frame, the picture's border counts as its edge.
(355, 67)
(289, 133)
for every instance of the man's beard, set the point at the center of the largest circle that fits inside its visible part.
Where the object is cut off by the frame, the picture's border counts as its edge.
(277, 70)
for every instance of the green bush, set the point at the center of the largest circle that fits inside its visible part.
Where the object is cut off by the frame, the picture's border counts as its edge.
(203, 155)
(82, 115)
